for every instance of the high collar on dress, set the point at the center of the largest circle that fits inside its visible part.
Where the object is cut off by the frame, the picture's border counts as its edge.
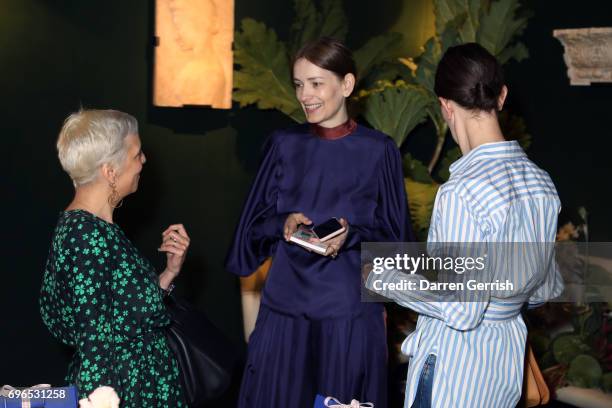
(334, 133)
(509, 149)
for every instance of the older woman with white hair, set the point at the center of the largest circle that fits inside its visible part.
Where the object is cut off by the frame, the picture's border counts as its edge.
(99, 294)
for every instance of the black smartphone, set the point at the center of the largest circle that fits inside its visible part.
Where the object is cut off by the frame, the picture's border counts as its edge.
(328, 229)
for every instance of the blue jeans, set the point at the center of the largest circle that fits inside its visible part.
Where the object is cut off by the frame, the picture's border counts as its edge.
(423, 395)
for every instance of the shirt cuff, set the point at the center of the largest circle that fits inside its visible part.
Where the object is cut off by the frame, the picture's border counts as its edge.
(386, 276)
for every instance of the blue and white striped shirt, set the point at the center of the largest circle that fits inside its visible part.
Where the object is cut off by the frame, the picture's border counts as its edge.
(494, 194)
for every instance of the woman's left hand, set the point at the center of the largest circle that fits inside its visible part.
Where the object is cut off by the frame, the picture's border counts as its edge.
(175, 243)
(335, 244)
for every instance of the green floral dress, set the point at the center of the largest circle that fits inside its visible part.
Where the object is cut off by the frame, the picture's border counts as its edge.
(101, 296)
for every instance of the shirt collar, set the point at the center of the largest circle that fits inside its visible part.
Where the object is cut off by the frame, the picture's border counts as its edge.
(336, 132)
(510, 149)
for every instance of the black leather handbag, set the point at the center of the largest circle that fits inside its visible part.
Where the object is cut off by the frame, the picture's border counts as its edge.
(206, 357)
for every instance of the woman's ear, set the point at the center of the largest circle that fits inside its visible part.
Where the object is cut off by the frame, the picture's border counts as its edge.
(446, 108)
(108, 172)
(502, 98)
(348, 84)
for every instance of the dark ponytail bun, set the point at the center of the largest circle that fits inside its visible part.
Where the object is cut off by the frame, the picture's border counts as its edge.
(469, 75)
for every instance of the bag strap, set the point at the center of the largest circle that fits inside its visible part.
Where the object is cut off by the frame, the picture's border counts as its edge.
(539, 378)
(535, 390)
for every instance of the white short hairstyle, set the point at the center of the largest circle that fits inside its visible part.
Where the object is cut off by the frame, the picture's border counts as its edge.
(90, 138)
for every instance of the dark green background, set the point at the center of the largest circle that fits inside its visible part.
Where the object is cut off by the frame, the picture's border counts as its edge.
(56, 56)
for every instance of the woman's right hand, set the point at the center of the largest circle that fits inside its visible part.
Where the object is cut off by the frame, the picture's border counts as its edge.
(175, 243)
(292, 222)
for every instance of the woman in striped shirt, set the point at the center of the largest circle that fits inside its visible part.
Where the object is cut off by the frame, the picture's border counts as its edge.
(468, 349)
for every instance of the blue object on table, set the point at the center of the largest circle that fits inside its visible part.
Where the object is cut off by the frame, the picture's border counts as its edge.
(43, 397)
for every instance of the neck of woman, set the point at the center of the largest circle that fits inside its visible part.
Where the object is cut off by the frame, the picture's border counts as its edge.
(479, 130)
(94, 199)
(338, 119)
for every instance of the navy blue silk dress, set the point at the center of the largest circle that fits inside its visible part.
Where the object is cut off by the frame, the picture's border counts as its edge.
(313, 334)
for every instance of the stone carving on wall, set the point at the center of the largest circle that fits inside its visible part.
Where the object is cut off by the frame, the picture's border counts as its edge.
(193, 54)
(588, 54)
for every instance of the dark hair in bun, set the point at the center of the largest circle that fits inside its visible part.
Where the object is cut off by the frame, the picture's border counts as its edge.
(469, 75)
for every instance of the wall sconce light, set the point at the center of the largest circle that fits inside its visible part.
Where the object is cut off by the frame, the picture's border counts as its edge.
(193, 53)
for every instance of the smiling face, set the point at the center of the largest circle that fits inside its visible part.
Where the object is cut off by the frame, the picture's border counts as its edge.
(322, 93)
(129, 175)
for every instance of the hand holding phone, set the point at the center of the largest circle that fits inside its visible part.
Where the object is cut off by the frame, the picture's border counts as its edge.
(325, 239)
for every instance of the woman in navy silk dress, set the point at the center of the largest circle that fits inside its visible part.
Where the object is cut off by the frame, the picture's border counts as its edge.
(313, 334)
